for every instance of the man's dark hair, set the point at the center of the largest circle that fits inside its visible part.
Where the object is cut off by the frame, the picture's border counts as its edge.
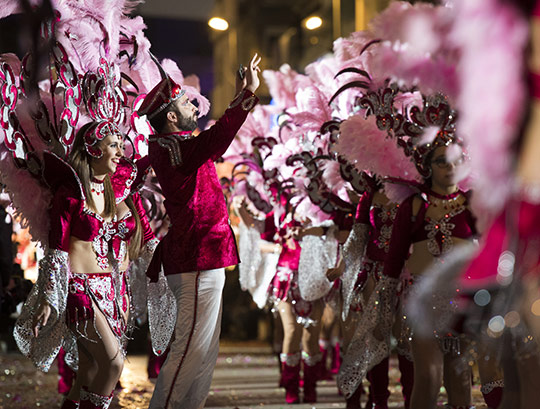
(158, 122)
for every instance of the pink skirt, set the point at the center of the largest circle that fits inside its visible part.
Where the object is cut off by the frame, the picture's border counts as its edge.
(284, 287)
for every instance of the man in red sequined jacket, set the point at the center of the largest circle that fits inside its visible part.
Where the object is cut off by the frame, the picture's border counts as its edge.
(200, 241)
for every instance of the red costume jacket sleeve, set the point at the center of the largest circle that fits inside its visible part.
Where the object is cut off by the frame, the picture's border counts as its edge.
(212, 143)
(147, 233)
(401, 239)
(63, 207)
(269, 228)
(364, 205)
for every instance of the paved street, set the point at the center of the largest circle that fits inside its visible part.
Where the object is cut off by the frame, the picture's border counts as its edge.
(246, 376)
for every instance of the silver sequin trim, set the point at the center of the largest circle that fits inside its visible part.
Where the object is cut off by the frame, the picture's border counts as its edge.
(100, 401)
(290, 359)
(488, 387)
(311, 360)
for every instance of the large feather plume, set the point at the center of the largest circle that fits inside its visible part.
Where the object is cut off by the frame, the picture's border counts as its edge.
(371, 149)
(492, 38)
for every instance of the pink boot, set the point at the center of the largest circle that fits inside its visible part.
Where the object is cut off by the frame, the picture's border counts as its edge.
(67, 375)
(91, 400)
(325, 374)
(69, 404)
(336, 359)
(290, 376)
(493, 392)
(406, 368)
(378, 378)
(312, 374)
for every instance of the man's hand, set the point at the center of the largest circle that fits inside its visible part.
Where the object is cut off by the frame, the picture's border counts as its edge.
(251, 77)
(241, 81)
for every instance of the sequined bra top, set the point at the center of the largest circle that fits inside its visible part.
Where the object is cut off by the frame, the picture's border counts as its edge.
(380, 218)
(69, 217)
(457, 222)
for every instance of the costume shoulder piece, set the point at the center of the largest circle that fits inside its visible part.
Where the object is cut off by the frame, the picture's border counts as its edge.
(57, 172)
(123, 179)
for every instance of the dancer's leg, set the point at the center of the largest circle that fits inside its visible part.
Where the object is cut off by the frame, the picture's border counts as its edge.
(428, 372)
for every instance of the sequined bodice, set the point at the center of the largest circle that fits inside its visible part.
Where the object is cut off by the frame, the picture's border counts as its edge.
(381, 220)
(106, 236)
(456, 222)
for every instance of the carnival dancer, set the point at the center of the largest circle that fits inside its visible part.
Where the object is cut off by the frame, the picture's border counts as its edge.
(300, 318)
(369, 305)
(97, 225)
(433, 223)
(200, 242)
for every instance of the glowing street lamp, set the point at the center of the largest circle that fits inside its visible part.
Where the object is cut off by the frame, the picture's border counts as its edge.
(218, 23)
(313, 22)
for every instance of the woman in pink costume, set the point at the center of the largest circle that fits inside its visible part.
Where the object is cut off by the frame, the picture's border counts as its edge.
(300, 318)
(82, 298)
(433, 223)
(369, 306)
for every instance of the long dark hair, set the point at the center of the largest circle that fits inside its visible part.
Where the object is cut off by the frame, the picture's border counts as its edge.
(80, 159)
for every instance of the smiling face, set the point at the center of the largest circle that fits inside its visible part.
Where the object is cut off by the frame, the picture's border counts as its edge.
(113, 150)
(184, 115)
(443, 171)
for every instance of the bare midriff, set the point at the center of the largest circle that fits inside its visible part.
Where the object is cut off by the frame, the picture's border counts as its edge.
(421, 259)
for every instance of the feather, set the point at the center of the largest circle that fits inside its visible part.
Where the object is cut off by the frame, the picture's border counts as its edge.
(492, 37)
(370, 149)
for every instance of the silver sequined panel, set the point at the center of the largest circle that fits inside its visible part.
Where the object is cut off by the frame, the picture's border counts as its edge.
(250, 256)
(353, 253)
(161, 313)
(52, 284)
(317, 256)
(366, 349)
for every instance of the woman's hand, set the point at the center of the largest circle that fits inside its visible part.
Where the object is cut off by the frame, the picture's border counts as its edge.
(41, 317)
(336, 272)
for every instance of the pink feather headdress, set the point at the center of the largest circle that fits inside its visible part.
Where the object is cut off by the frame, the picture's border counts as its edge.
(492, 37)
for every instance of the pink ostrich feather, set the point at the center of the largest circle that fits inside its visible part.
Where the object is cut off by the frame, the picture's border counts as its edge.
(492, 38)
(305, 210)
(283, 85)
(132, 30)
(413, 49)
(31, 202)
(171, 68)
(369, 148)
(313, 109)
(332, 178)
(258, 123)
(90, 30)
(10, 7)
(349, 48)
(322, 73)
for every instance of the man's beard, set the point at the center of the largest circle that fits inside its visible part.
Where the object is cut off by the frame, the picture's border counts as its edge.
(187, 124)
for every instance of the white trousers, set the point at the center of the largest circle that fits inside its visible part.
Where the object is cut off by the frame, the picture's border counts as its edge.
(186, 375)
